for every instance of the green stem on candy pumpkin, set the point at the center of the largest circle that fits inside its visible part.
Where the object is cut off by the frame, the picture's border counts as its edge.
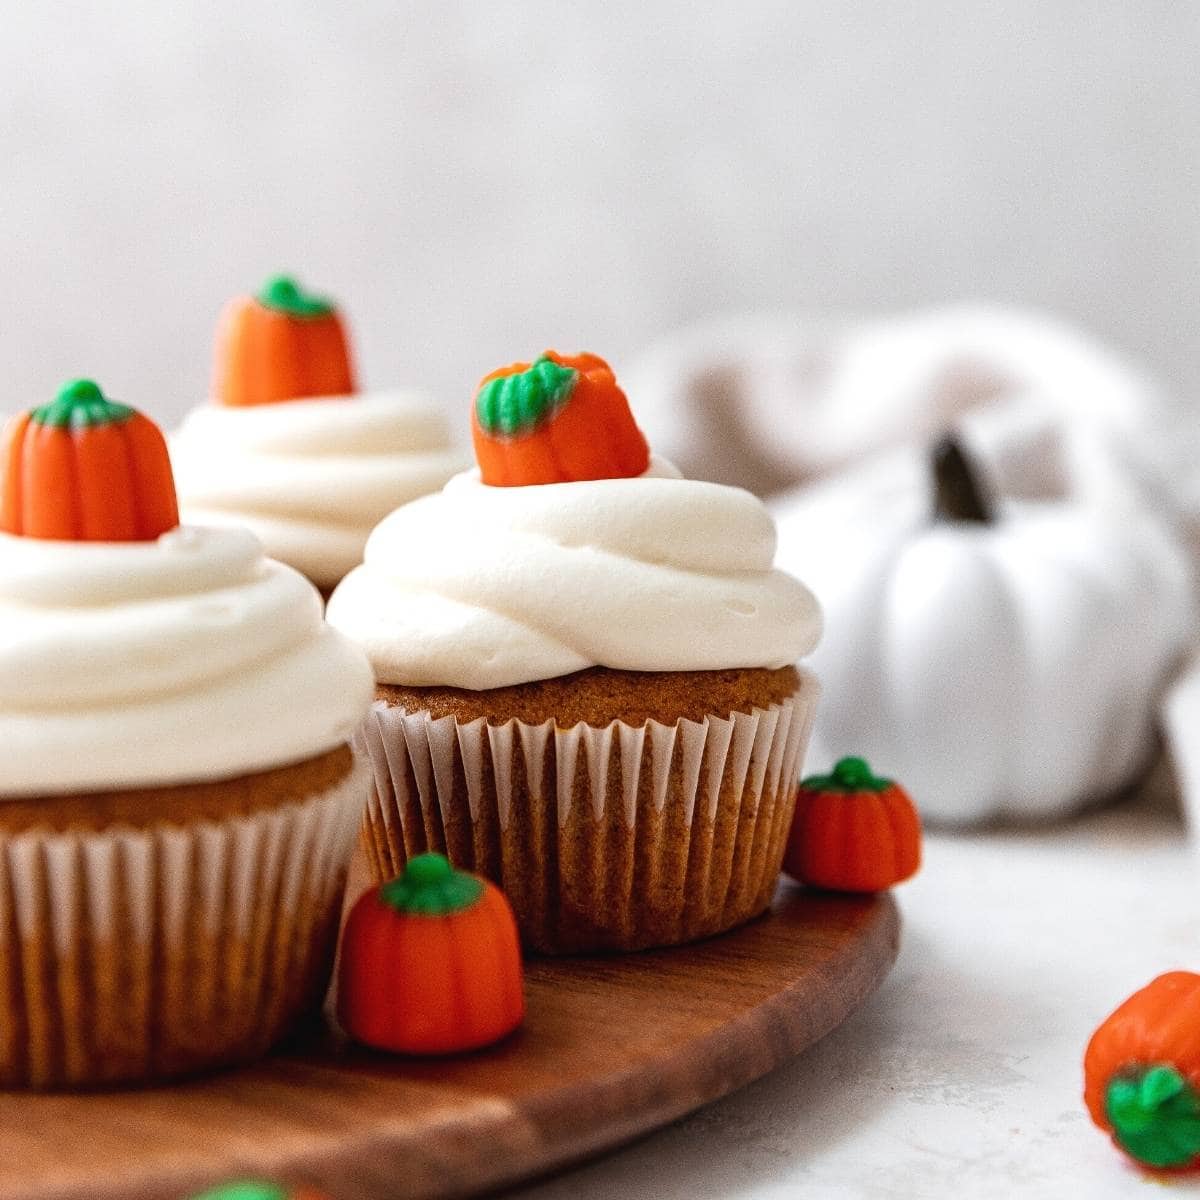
(431, 887)
(245, 1190)
(958, 494)
(283, 294)
(1155, 1115)
(848, 775)
(512, 405)
(79, 404)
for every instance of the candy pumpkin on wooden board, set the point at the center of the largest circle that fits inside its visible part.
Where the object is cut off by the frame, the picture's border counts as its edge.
(853, 831)
(431, 963)
(1004, 658)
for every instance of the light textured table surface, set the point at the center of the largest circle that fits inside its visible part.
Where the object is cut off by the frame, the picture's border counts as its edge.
(961, 1076)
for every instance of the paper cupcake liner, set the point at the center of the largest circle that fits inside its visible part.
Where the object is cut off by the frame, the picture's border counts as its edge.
(614, 838)
(134, 955)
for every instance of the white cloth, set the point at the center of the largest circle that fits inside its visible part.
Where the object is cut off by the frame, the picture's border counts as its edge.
(768, 402)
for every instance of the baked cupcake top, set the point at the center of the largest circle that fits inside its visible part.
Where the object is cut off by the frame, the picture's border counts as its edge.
(571, 547)
(290, 449)
(136, 652)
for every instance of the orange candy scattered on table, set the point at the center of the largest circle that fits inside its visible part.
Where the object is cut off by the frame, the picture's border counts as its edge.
(283, 344)
(853, 832)
(431, 963)
(85, 469)
(557, 420)
(1142, 1074)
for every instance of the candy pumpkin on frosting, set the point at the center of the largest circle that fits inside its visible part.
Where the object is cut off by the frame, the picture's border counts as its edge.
(559, 419)
(282, 344)
(83, 468)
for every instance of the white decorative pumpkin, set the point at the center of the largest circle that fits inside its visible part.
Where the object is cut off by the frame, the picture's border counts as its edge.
(1001, 667)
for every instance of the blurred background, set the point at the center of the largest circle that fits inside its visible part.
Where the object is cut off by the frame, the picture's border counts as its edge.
(474, 182)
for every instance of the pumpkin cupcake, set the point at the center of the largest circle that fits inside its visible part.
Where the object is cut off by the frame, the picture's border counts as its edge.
(586, 682)
(178, 800)
(289, 448)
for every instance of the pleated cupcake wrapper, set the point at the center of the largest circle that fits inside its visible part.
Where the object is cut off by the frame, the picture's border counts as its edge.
(131, 955)
(603, 838)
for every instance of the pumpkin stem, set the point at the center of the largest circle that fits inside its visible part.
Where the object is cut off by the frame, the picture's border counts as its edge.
(848, 775)
(1155, 1115)
(511, 405)
(958, 494)
(283, 294)
(245, 1190)
(853, 773)
(80, 403)
(431, 887)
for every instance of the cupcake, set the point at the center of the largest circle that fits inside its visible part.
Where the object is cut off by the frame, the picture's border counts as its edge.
(586, 679)
(178, 799)
(288, 448)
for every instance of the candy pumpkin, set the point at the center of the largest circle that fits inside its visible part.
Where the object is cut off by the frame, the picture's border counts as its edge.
(83, 468)
(283, 344)
(1004, 657)
(853, 832)
(1142, 1073)
(254, 1190)
(558, 419)
(431, 963)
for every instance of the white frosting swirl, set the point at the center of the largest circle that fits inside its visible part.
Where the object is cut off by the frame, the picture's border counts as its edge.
(311, 477)
(480, 587)
(187, 659)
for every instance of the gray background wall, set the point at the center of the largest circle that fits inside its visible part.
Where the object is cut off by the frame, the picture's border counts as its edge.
(477, 180)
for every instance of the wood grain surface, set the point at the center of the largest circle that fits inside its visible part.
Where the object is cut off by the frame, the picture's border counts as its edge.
(612, 1048)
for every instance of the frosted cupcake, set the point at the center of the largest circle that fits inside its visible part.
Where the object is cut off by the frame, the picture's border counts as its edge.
(288, 448)
(178, 800)
(586, 680)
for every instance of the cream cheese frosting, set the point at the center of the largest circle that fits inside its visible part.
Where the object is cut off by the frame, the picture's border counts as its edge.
(481, 587)
(311, 478)
(187, 659)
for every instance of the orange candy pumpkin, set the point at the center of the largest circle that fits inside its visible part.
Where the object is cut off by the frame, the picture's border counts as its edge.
(1142, 1074)
(282, 344)
(82, 468)
(431, 963)
(559, 419)
(853, 832)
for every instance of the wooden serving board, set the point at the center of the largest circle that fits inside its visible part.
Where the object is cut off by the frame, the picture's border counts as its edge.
(612, 1048)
